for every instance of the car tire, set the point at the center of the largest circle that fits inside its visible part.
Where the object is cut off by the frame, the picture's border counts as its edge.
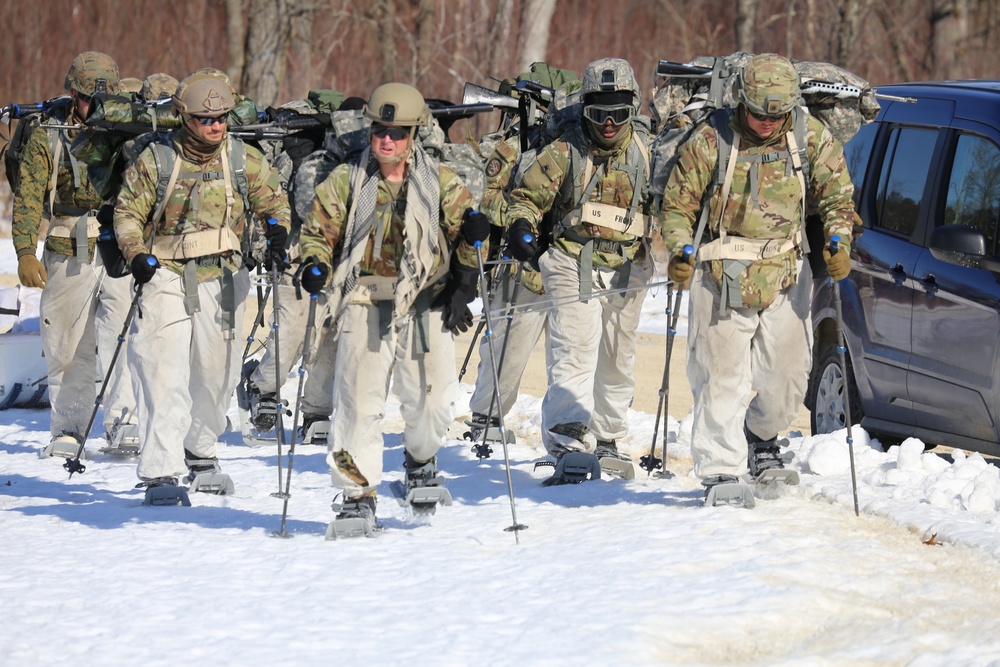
(826, 394)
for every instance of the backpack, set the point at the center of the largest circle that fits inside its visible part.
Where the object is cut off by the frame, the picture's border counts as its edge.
(29, 117)
(682, 103)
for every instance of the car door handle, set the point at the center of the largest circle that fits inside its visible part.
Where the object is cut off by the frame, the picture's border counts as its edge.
(898, 274)
(929, 283)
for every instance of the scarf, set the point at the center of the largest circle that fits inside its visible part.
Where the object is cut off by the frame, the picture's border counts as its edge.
(196, 149)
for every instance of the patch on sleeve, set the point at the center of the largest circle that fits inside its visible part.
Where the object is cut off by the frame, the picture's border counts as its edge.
(493, 167)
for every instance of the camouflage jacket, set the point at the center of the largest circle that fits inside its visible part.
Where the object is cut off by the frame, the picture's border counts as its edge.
(545, 187)
(773, 212)
(73, 189)
(197, 202)
(323, 229)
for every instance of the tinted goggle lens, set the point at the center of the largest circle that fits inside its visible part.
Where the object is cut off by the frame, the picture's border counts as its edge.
(394, 133)
(599, 114)
(208, 121)
(763, 117)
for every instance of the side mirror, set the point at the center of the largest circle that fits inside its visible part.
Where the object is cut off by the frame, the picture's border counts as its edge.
(962, 245)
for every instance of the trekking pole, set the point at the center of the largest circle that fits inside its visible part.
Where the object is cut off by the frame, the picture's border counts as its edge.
(472, 345)
(515, 526)
(650, 462)
(279, 422)
(262, 295)
(306, 361)
(842, 351)
(483, 450)
(73, 465)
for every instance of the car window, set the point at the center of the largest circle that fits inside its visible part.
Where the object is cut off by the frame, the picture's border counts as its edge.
(974, 187)
(904, 175)
(856, 152)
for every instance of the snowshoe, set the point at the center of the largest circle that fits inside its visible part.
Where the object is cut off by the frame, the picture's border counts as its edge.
(767, 462)
(423, 490)
(572, 467)
(66, 446)
(728, 490)
(355, 518)
(612, 461)
(253, 417)
(315, 430)
(123, 439)
(485, 433)
(205, 476)
(164, 491)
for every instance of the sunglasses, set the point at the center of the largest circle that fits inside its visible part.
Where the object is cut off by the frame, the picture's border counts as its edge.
(86, 99)
(763, 117)
(394, 133)
(209, 121)
(598, 114)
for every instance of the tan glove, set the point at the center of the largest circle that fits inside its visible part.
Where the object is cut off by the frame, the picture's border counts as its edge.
(680, 269)
(30, 271)
(838, 265)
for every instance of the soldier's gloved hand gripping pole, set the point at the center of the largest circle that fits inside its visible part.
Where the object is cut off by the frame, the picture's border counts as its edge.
(842, 351)
(73, 465)
(651, 462)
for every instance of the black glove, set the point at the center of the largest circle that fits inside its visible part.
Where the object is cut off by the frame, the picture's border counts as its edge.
(277, 237)
(476, 227)
(522, 241)
(144, 266)
(106, 215)
(454, 299)
(314, 276)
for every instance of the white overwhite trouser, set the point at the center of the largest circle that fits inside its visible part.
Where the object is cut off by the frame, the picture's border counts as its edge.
(525, 329)
(185, 369)
(731, 358)
(293, 315)
(82, 310)
(425, 383)
(591, 353)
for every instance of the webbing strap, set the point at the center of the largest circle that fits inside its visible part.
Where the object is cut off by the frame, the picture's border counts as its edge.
(731, 296)
(587, 270)
(191, 302)
(80, 237)
(228, 300)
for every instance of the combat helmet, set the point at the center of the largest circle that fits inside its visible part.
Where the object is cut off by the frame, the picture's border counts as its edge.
(768, 84)
(609, 89)
(202, 94)
(397, 104)
(87, 72)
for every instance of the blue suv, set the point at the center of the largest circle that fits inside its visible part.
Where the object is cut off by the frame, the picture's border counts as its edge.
(921, 307)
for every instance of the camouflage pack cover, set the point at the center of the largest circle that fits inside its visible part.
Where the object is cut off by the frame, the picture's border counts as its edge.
(129, 85)
(158, 86)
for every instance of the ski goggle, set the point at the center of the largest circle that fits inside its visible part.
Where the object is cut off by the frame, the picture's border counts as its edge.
(764, 117)
(209, 121)
(393, 132)
(598, 114)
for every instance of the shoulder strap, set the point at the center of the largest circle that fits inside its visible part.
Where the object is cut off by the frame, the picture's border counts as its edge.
(167, 169)
(726, 140)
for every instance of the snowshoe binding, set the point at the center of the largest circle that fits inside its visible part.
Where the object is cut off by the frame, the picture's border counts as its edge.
(205, 476)
(423, 489)
(767, 462)
(485, 433)
(258, 412)
(123, 438)
(163, 491)
(315, 429)
(355, 518)
(572, 467)
(66, 446)
(728, 490)
(612, 461)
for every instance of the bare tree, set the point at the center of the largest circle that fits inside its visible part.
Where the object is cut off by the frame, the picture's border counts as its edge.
(535, 35)
(746, 25)
(268, 30)
(235, 38)
(949, 29)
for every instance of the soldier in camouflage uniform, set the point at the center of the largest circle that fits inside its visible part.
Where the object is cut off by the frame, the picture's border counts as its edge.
(81, 308)
(751, 290)
(593, 180)
(158, 86)
(397, 216)
(185, 348)
(525, 328)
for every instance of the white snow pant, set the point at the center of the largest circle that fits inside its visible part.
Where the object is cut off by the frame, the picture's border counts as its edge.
(185, 368)
(591, 352)
(293, 315)
(82, 313)
(731, 358)
(425, 383)
(525, 330)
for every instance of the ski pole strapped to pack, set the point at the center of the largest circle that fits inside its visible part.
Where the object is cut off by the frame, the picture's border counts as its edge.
(29, 117)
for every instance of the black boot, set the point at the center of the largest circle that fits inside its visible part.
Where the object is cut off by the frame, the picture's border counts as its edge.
(764, 454)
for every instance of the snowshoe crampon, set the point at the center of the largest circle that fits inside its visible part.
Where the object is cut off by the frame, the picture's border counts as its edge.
(728, 490)
(572, 468)
(164, 491)
(355, 518)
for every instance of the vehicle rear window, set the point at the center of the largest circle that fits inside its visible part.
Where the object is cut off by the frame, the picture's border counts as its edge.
(974, 187)
(903, 177)
(856, 152)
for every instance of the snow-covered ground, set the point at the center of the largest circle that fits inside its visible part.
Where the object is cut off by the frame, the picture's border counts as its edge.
(607, 572)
